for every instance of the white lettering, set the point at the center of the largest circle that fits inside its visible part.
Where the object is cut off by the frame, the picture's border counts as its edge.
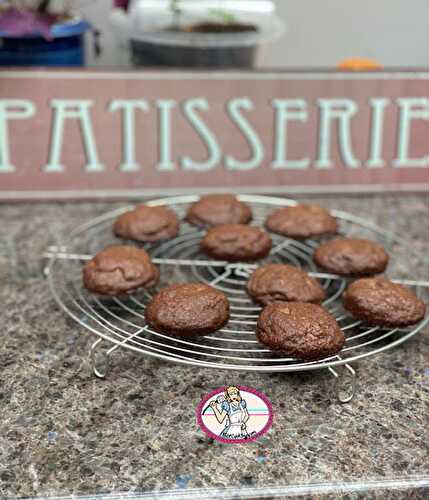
(214, 152)
(287, 110)
(341, 110)
(410, 109)
(165, 162)
(11, 109)
(65, 109)
(252, 138)
(376, 139)
(129, 107)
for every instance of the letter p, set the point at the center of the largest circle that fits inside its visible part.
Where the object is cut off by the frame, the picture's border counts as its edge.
(11, 109)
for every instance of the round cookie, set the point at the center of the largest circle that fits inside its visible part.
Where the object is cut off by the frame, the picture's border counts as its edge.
(281, 282)
(188, 309)
(147, 224)
(119, 269)
(216, 209)
(301, 221)
(236, 242)
(378, 301)
(299, 330)
(351, 257)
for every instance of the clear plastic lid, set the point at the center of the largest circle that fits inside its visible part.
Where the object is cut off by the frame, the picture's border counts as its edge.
(154, 22)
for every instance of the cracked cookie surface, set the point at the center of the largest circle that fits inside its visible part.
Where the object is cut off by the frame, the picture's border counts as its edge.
(299, 330)
(378, 301)
(281, 282)
(118, 270)
(301, 221)
(351, 257)
(216, 209)
(188, 309)
(236, 242)
(146, 224)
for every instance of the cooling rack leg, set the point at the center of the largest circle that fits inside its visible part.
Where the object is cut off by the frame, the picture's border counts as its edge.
(99, 371)
(345, 385)
(106, 354)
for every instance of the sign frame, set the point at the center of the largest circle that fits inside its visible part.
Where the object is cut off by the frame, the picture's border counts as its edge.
(395, 108)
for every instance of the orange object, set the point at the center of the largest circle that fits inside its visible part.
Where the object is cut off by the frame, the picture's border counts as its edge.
(359, 64)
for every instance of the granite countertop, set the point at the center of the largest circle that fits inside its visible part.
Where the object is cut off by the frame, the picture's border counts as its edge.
(65, 432)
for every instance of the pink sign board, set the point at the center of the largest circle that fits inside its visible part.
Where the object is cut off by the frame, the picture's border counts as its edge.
(87, 134)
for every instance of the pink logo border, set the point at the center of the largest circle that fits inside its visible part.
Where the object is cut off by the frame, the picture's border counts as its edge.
(207, 431)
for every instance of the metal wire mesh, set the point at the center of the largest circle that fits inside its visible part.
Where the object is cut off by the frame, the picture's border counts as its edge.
(121, 320)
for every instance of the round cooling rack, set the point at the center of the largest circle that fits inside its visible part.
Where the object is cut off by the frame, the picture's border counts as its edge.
(120, 321)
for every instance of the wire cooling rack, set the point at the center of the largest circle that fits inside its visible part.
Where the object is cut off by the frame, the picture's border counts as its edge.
(121, 323)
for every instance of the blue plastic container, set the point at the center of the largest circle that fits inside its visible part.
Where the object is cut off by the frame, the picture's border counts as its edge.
(65, 49)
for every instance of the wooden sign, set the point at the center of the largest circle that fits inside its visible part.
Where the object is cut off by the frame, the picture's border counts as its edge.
(87, 134)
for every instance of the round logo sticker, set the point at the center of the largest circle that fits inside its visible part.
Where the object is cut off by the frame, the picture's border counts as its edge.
(235, 414)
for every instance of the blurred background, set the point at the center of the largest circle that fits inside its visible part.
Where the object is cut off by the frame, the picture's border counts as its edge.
(321, 34)
(291, 33)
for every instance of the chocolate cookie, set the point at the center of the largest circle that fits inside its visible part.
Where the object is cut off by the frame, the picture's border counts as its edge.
(280, 282)
(236, 242)
(216, 209)
(119, 269)
(378, 301)
(188, 309)
(146, 223)
(351, 257)
(301, 221)
(299, 330)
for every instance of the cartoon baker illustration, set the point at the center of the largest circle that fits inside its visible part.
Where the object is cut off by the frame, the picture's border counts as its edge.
(234, 410)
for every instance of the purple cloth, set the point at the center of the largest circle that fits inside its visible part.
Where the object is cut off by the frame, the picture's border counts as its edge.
(121, 4)
(21, 22)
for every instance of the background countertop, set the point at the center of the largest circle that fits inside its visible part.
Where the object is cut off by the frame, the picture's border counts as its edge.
(63, 431)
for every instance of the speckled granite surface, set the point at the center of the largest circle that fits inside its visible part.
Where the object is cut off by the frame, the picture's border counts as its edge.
(63, 431)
